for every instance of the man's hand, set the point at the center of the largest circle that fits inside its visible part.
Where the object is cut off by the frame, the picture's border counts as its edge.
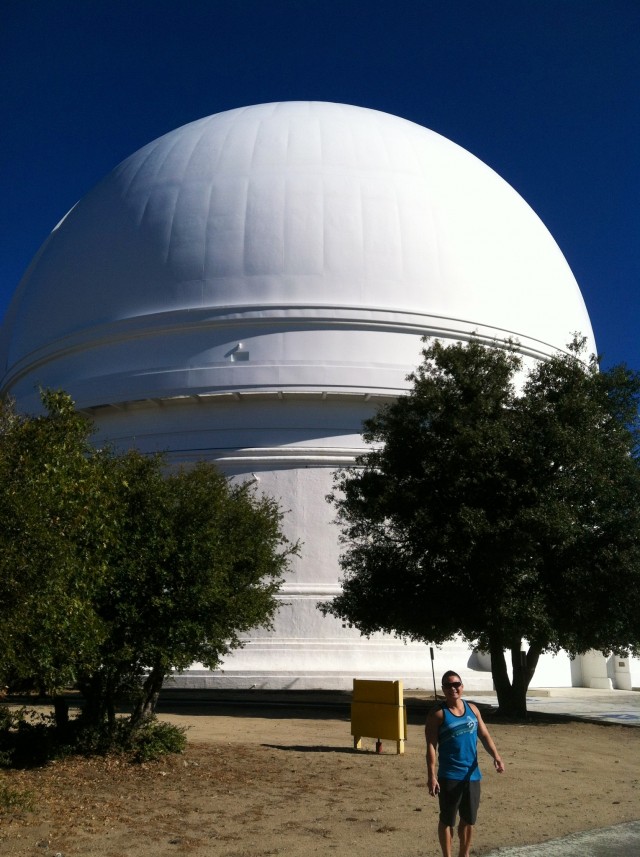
(498, 765)
(434, 786)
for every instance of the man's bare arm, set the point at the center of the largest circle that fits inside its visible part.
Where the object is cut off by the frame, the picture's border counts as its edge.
(434, 721)
(487, 741)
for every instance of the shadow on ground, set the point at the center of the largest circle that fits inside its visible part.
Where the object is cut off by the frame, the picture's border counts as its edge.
(312, 704)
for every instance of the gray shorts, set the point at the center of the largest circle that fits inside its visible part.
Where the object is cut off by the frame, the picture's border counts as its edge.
(461, 796)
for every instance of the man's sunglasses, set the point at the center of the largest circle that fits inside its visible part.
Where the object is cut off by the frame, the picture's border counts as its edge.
(456, 684)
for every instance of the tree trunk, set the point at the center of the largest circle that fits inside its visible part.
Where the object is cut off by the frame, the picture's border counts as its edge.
(146, 705)
(519, 682)
(61, 712)
(93, 691)
(501, 678)
(512, 695)
(524, 665)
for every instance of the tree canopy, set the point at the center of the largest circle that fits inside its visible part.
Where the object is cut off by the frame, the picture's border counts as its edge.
(115, 572)
(195, 562)
(500, 502)
(52, 535)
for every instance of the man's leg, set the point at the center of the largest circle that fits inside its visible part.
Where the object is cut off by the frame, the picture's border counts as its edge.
(468, 814)
(445, 835)
(465, 832)
(451, 793)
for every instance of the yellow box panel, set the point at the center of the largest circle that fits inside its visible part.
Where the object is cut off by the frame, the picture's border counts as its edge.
(377, 711)
(377, 721)
(365, 690)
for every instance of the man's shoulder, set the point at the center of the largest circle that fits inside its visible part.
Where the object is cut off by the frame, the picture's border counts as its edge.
(436, 713)
(473, 708)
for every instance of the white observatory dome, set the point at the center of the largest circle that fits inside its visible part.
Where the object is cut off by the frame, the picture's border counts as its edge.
(247, 287)
(298, 211)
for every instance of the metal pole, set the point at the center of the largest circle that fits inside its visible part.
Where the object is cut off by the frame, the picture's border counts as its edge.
(433, 672)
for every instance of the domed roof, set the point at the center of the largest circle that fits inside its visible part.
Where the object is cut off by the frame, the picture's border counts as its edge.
(311, 205)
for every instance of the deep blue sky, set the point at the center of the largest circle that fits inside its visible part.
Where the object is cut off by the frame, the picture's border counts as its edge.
(547, 92)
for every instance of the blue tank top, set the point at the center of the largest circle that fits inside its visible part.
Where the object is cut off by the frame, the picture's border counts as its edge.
(458, 746)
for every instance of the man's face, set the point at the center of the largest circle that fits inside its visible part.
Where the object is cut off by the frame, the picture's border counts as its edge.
(452, 687)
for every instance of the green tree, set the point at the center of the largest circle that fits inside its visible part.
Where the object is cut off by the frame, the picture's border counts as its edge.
(195, 562)
(114, 573)
(51, 543)
(501, 504)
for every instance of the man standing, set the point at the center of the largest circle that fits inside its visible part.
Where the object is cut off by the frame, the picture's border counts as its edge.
(452, 733)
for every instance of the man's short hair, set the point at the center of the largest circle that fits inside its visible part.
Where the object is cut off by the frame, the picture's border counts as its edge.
(448, 674)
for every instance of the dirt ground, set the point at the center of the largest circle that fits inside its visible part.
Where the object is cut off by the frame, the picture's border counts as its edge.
(287, 781)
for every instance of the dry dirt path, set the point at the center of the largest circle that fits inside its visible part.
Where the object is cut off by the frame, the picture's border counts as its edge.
(287, 782)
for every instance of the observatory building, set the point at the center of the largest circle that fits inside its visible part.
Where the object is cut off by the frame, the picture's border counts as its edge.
(247, 289)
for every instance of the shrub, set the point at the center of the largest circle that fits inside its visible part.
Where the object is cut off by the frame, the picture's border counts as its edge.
(144, 743)
(154, 739)
(28, 738)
